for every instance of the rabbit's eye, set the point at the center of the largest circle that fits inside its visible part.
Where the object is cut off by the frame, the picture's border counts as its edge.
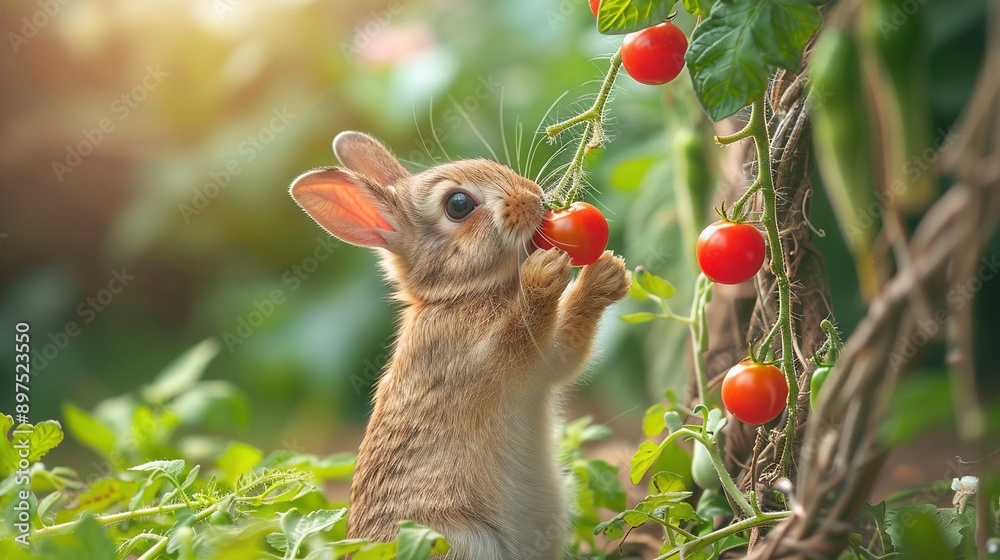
(458, 205)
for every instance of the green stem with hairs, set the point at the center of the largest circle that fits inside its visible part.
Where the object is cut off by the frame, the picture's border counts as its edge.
(757, 129)
(759, 520)
(567, 190)
(699, 334)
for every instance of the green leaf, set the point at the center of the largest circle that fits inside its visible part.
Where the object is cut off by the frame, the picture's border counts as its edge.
(667, 483)
(613, 528)
(364, 550)
(640, 317)
(652, 421)
(666, 499)
(616, 17)
(654, 285)
(8, 455)
(602, 479)
(595, 432)
(681, 512)
(673, 420)
(636, 292)
(714, 422)
(644, 458)
(713, 503)
(45, 436)
(635, 518)
(924, 531)
(742, 42)
(575, 433)
(182, 373)
(94, 542)
(88, 430)
(212, 403)
(278, 541)
(47, 502)
(172, 467)
(103, 494)
(336, 466)
(86, 541)
(700, 8)
(297, 527)
(238, 459)
(416, 542)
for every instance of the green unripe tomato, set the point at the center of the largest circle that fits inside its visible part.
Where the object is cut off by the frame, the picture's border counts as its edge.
(702, 471)
(816, 384)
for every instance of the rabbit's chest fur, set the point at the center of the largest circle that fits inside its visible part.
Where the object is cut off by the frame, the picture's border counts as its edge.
(461, 441)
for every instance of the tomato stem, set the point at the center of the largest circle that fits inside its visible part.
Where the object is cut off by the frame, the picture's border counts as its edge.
(736, 212)
(699, 334)
(833, 352)
(764, 519)
(715, 455)
(570, 186)
(766, 344)
(743, 134)
(757, 129)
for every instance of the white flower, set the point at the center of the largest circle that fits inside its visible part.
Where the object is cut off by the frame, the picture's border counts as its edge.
(965, 485)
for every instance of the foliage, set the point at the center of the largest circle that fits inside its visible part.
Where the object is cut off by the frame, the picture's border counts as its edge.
(240, 503)
(172, 479)
(227, 501)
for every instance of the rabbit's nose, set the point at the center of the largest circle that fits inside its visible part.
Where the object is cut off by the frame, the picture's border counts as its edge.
(522, 211)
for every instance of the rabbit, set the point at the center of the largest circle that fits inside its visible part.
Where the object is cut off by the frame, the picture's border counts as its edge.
(460, 438)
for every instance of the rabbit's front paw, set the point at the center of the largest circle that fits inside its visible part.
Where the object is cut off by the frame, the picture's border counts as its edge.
(606, 279)
(546, 273)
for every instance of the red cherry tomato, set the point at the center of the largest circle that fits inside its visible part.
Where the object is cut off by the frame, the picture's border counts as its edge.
(654, 55)
(594, 6)
(730, 252)
(754, 393)
(579, 229)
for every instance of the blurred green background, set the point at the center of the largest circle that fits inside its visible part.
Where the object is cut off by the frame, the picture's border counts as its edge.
(146, 149)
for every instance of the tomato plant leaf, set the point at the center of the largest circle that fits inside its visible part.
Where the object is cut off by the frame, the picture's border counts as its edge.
(654, 285)
(673, 420)
(89, 430)
(652, 421)
(237, 459)
(616, 17)
(298, 527)
(416, 542)
(602, 479)
(374, 551)
(8, 455)
(714, 420)
(86, 540)
(613, 528)
(644, 458)
(103, 494)
(924, 528)
(667, 483)
(741, 43)
(45, 505)
(173, 468)
(640, 317)
(181, 374)
(636, 292)
(713, 503)
(700, 8)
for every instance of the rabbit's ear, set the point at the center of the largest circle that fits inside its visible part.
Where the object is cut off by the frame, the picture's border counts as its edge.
(347, 205)
(365, 155)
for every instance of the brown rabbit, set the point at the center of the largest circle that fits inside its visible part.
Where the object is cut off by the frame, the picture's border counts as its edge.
(461, 436)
